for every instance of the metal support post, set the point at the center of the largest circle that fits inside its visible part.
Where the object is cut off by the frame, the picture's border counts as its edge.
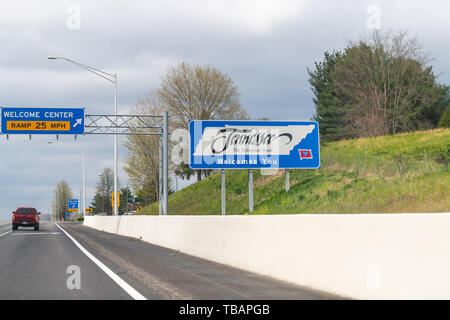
(116, 158)
(223, 192)
(287, 180)
(84, 186)
(161, 196)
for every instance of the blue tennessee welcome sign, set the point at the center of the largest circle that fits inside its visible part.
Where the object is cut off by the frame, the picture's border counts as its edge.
(254, 144)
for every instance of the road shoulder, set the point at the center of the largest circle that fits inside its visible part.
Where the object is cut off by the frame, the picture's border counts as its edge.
(161, 273)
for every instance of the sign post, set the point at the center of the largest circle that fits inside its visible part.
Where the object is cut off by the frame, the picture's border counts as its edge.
(250, 190)
(223, 195)
(253, 145)
(160, 181)
(42, 121)
(286, 181)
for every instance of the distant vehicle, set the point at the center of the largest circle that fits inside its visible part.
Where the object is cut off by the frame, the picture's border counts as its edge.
(25, 217)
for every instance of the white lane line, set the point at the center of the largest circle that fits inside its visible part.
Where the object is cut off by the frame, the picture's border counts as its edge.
(125, 286)
(33, 233)
(3, 234)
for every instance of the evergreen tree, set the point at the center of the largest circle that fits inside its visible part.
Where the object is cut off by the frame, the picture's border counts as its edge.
(127, 199)
(105, 186)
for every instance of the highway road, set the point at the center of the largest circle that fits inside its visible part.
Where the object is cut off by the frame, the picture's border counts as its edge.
(71, 261)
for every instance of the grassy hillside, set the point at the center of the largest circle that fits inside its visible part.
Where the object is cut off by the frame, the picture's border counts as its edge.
(401, 173)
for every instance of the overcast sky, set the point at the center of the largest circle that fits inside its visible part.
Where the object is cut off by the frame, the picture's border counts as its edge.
(266, 46)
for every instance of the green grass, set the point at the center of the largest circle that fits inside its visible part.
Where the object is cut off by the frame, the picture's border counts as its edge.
(400, 173)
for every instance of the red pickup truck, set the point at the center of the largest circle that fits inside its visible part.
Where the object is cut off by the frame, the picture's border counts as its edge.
(25, 217)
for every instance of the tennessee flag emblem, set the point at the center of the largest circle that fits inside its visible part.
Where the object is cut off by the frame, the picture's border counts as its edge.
(305, 154)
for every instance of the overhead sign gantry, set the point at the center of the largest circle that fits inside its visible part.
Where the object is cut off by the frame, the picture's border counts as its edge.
(73, 121)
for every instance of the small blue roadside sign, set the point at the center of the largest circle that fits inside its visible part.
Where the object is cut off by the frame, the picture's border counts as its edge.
(254, 144)
(73, 205)
(17, 120)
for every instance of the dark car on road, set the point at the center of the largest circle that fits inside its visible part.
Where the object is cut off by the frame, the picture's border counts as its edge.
(25, 217)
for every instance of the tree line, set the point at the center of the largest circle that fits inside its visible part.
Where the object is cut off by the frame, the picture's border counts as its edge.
(381, 84)
(102, 200)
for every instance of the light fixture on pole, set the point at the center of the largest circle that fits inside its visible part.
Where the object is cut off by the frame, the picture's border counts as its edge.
(111, 78)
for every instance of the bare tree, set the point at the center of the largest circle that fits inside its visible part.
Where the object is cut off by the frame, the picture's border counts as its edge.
(61, 198)
(142, 162)
(357, 80)
(401, 73)
(199, 93)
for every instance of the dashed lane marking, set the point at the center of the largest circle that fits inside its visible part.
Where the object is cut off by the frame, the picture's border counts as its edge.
(33, 233)
(3, 234)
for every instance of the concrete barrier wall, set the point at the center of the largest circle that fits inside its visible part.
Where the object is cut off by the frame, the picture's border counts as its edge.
(365, 256)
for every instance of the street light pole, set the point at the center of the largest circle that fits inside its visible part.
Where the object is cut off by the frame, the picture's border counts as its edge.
(116, 211)
(111, 78)
(84, 187)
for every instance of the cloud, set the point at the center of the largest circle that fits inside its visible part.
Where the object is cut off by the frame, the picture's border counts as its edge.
(254, 16)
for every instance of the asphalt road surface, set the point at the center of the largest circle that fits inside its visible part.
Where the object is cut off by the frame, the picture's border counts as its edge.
(70, 261)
